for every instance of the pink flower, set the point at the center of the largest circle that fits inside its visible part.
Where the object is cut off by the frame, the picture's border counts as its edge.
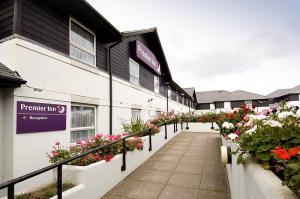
(78, 142)
(238, 132)
(57, 143)
(99, 136)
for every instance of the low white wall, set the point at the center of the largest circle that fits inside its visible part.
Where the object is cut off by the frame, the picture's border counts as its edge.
(101, 177)
(251, 181)
(201, 127)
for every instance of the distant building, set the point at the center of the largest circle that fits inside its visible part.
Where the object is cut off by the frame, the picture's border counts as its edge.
(222, 101)
(291, 96)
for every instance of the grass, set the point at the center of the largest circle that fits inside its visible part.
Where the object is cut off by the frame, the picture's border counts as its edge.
(45, 192)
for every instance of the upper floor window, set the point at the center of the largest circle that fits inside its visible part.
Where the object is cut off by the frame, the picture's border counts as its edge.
(82, 43)
(134, 72)
(156, 84)
(169, 92)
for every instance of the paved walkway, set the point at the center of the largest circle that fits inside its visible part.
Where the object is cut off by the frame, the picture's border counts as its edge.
(188, 167)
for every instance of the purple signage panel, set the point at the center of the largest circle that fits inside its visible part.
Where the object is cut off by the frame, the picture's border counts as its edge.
(35, 117)
(144, 54)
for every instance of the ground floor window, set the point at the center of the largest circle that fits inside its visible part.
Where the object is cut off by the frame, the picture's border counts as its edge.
(135, 114)
(83, 122)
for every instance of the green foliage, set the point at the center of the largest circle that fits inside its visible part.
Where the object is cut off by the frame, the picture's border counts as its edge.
(44, 192)
(292, 175)
(135, 126)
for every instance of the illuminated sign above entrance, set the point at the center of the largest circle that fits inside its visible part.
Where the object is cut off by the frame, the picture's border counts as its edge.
(145, 55)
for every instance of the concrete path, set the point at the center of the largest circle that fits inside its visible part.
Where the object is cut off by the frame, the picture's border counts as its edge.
(188, 167)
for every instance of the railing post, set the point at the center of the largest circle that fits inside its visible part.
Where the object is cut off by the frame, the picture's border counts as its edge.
(187, 125)
(166, 132)
(181, 124)
(176, 125)
(212, 125)
(150, 140)
(11, 191)
(123, 168)
(59, 182)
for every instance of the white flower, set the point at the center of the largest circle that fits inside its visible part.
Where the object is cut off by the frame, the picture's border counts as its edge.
(284, 114)
(257, 117)
(227, 125)
(298, 113)
(232, 136)
(273, 123)
(250, 131)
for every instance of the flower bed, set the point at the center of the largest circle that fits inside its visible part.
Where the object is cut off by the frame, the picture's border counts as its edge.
(270, 138)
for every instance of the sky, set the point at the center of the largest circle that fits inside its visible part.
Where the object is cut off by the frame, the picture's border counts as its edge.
(250, 45)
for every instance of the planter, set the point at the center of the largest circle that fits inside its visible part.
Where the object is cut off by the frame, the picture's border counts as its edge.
(252, 181)
(100, 177)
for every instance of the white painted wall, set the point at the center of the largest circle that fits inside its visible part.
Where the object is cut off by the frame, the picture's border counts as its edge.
(61, 80)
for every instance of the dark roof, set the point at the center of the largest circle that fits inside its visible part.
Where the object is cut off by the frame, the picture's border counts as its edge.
(277, 93)
(9, 78)
(154, 37)
(284, 92)
(88, 15)
(175, 86)
(189, 91)
(240, 95)
(211, 96)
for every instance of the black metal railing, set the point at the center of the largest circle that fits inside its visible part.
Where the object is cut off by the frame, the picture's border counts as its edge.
(10, 185)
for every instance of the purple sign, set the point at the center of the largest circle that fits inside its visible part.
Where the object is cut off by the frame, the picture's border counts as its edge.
(35, 117)
(144, 54)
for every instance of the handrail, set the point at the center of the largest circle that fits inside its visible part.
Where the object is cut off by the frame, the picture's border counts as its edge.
(11, 183)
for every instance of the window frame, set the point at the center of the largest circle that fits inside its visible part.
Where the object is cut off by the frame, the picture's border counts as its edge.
(83, 128)
(156, 89)
(138, 110)
(130, 73)
(71, 19)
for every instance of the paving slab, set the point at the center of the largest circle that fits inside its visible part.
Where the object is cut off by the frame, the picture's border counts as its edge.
(188, 167)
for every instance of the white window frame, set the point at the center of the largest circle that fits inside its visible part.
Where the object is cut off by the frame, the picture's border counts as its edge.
(169, 92)
(138, 110)
(130, 74)
(156, 84)
(83, 128)
(78, 46)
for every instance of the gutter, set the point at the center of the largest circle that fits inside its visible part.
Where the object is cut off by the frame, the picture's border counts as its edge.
(110, 84)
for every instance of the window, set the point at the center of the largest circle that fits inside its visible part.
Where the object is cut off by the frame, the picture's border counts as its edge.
(83, 122)
(248, 103)
(82, 43)
(134, 72)
(169, 92)
(135, 114)
(156, 84)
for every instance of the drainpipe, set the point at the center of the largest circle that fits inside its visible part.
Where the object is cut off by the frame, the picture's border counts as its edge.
(110, 85)
(167, 84)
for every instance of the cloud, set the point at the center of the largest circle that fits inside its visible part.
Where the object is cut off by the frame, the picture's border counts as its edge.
(246, 56)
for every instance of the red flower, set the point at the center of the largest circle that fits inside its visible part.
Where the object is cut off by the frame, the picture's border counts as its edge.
(282, 153)
(293, 151)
